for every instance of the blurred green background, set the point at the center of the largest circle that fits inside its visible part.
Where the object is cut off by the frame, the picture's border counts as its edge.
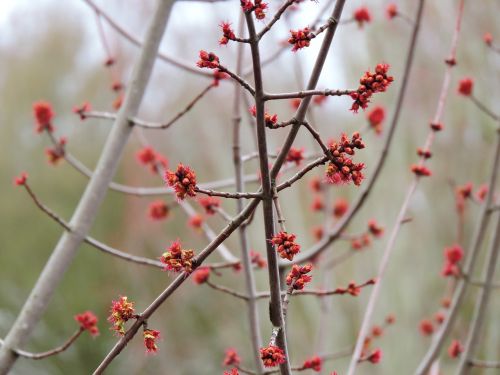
(50, 50)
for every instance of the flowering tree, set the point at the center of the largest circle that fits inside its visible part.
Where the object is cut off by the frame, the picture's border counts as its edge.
(329, 167)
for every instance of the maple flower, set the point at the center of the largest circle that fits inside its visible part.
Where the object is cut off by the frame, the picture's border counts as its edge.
(208, 60)
(56, 154)
(375, 229)
(375, 356)
(362, 15)
(257, 259)
(454, 254)
(210, 204)
(196, 221)
(300, 38)
(88, 322)
(234, 371)
(391, 11)
(295, 103)
(297, 278)
(270, 120)
(177, 259)
(342, 169)
(158, 210)
(272, 356)
(201, 275)
(488, 39)
(121, 311)
(376, 117)
(219, 75)
(371, 83)
(44, 114)
(227, 33)
(313, 363)
(462, 193)
(421, 170)
(340, 207)
(295, 155)
(183, 180)
(318, 232)
(465, 86)
(450, 269)
(315, 184)
(455, 349)
(231, 358)
(439, 317)
(426, 327)
(21, 179)
(317, 204)
(82, 109)
(150, 338)
(148, 156)
(285, 245)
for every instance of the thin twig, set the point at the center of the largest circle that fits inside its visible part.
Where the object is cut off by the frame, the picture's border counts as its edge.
(306, 93)
(224, 194)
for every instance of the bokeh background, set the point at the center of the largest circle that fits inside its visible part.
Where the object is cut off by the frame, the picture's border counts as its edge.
(50, 50)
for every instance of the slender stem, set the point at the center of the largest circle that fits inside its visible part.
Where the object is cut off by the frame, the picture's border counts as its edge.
(483, 108)
(252, 308)
(484, 364)
(275, 305)
(226, 290)
(92, 198)
(306, 93)
(237, 195)
(238, 79)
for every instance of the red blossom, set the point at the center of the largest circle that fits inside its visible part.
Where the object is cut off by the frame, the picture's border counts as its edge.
(196, 221)
(318, 232)
(315, 184)
(455, 349)
(285, 245)
(183, 180)
(375, 356)
(390, 319)
(317, 204)
(210, 204)
(313, 363)
(257, 259)
(437, 126)
(150, 338)
(81, 110)
(439, 317)
(426, 327)
(147, 156)
(375, 229)
(208, 60)
(201, 275)
(426, 154)
(295, 155)
(158, 210)
(120, 312)
(44, 114)
(454, 254)
(270, 120)
(465, 86)
(300, 38)
(376, 117)
(21, 179)
(391, 11)
(450, 269)
(227, 33)
(488, 39)
(177, 259)
(362, 15)
(421, 170)
(272, 356)
(234, 371)
(219, 76)
(342, 169)
(371, 83)
(231, 358)
(258, 8)
(340, 207)
(297, 278)
(88, 322)
(117, 86)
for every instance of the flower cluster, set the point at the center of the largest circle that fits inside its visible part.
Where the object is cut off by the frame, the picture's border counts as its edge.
(452, 255)
(391, 11)
(270, 120)
(232, 358)
(183, 180)
(88, 322)
(208, 60)
(285, 245)
(150, 337)
(362, 15)
(148, 156)
(121, 311)
(374, 357)
(375, 118)
(465, 86)
(272, 356)
(43, 116)
(257, 259)
(201, 275)
(258, 8)
(455, 349)
(313, 363)
(158, 210)
(56, 153)
(234, 371)
(361, 242)
(421, 170)
(210, 204)
(82, 110)
(342, 169)
(227, 33)
(354, 289)
(371, 83)
(298, 276)
(177, 259)
(295, 155)
(300, 38)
